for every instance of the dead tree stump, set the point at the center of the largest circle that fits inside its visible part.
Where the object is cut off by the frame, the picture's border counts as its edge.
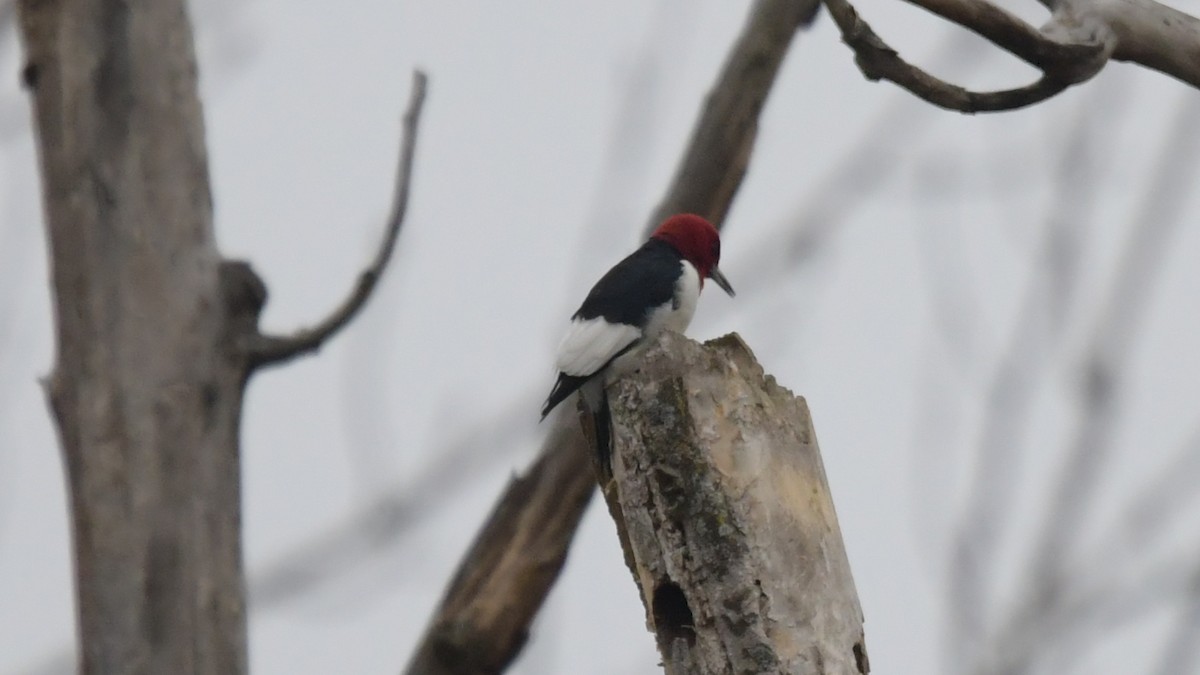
(721, 502)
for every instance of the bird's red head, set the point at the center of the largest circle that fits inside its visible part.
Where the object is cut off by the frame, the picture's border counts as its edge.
(698, 241)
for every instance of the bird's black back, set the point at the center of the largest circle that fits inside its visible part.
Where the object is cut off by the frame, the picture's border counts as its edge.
(643, 280)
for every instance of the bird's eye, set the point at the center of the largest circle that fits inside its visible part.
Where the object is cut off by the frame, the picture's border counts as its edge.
(716, 250)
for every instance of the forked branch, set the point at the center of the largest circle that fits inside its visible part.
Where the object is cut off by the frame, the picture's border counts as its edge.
(267, 349)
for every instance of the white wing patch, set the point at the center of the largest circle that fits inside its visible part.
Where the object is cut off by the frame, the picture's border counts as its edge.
(591, 343)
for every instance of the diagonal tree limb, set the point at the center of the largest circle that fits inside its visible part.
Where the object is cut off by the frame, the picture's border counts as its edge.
(483, 621)
(267, 349)
(706, 182)
(715, 160)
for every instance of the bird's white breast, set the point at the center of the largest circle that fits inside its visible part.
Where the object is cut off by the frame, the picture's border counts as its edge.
(677, 314)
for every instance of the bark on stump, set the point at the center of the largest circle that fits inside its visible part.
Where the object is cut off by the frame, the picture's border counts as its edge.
(726, 518)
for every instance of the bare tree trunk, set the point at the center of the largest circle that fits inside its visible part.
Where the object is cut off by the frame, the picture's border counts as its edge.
(156, 334)
(146, 396)
(726, 518)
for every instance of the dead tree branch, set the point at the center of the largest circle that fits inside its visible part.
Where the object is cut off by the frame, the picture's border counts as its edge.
(716, 161)
(523, 580)
(1018, 38)
(1144, 32)
(879, 61)
(483, 621)
(726, 518)
(265, 349)
(1079, 40)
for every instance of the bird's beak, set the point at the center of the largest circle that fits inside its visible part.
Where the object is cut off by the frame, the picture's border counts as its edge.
(715, 275)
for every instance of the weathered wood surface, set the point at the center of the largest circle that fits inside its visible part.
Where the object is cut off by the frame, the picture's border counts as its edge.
(146, 389)
(726, 517)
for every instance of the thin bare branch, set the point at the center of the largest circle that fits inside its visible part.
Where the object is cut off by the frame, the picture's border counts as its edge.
(265, 349)
(829, 203)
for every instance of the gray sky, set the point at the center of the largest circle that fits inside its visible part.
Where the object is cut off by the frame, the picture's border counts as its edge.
(536, 167)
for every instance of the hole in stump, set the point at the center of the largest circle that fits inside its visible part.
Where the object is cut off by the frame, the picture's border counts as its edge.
(672, 615)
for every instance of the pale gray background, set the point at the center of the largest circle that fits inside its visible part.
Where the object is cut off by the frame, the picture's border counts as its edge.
(551, 130)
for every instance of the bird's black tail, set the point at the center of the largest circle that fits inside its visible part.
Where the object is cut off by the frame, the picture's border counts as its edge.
(564, 387)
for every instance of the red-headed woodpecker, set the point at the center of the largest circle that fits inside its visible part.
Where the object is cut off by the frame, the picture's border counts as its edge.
(655, 288)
